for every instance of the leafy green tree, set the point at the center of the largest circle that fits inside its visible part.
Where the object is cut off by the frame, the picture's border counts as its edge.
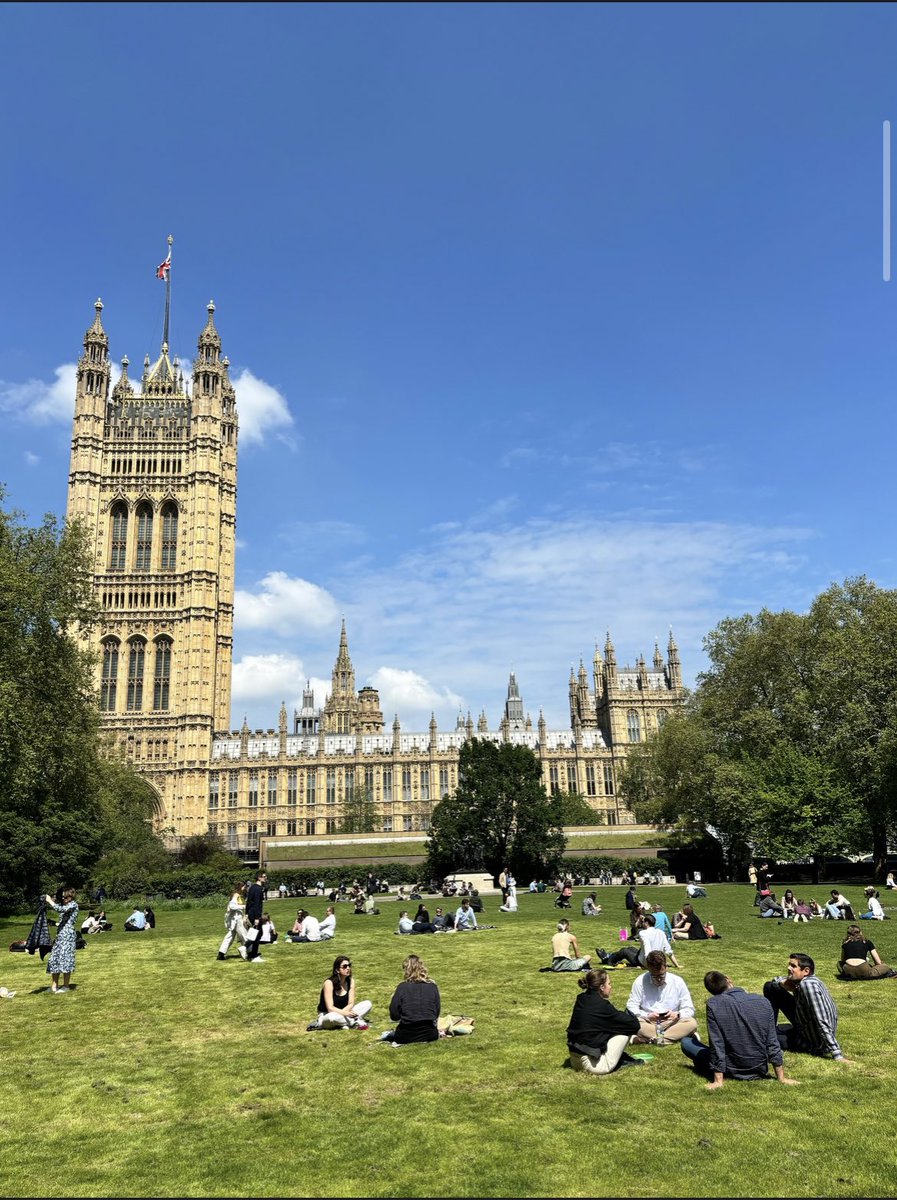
(208, 850)
(359, 813)
(789, 743)
(499, 815)
(51, 812)
(574, 809)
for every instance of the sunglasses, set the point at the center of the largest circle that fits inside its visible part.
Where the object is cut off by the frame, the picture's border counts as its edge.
(343, 966)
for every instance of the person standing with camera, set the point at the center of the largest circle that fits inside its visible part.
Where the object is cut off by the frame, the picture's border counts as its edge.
(62, 956)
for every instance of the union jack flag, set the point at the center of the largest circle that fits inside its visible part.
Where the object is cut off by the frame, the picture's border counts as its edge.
(164, 267)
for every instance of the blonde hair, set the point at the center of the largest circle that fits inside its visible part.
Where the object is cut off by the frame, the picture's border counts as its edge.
(415, 970)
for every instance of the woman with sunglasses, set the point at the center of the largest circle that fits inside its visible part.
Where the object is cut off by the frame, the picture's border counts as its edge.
(337, 1008)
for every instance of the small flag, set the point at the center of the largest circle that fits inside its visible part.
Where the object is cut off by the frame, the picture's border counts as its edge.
(164, 267)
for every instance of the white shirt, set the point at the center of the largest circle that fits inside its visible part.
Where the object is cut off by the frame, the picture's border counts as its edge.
(652, 939)
(876, 909)
(510, 905)
(405, 924)
(647, 997)
(327, 927)
(311, 928)
(465, 919)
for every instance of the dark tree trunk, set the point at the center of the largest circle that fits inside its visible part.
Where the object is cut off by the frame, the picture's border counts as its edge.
(879, 850)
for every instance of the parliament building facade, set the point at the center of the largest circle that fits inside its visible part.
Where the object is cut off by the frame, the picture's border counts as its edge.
(153, 480)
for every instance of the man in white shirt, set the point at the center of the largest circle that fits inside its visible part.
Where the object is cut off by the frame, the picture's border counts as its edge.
(465, 917)
(327, 927)
(406, 925)
(311, 928)
(652, 938)
(662, 1003)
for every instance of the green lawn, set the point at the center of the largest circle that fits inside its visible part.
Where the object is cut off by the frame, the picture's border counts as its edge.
(167, 1073)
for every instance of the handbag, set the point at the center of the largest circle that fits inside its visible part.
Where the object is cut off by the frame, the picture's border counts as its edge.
(251, 935)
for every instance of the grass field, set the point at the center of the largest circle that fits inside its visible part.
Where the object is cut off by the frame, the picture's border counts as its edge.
(167, 1073)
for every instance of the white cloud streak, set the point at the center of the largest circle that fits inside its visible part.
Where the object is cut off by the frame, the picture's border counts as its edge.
(284, 606)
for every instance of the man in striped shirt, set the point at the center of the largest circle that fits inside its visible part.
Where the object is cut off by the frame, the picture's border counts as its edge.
(808, 1005)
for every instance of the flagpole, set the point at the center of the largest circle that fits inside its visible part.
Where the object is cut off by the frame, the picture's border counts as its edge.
(167, 295)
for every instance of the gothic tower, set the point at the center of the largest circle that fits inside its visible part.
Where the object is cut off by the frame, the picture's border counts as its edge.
(153, 479)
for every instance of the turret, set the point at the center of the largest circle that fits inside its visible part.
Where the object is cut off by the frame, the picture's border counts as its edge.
(675, 667)
(610, 662)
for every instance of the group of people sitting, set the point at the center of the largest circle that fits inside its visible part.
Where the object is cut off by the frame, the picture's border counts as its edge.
(464, 918)
(140, 920)
(744, 1038)
(95, 922)
(307, 927)
(415, 1005)
(836, 908)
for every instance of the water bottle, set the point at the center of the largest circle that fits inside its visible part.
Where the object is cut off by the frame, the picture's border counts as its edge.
(658, 1032)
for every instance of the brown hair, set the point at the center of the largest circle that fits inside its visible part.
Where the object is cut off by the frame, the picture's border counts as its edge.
(593, 980)
(415, 970)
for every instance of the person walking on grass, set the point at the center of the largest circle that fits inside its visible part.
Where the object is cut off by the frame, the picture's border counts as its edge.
(741, 1028)
(255, 907)
(62, 956)
(235, 929)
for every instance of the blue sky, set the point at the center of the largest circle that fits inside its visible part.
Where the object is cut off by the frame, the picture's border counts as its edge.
(544, 319)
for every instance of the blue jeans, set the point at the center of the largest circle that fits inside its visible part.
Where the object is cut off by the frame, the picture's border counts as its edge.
(869, 916)
(694, 1048)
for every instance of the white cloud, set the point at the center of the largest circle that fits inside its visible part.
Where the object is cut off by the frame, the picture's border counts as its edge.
(283, 605)
(411, 696)
(262, 408)
(31, 459)
(261, 682)
(41, 402)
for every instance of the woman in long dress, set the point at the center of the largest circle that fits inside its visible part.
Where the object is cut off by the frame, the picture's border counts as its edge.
(62, 956)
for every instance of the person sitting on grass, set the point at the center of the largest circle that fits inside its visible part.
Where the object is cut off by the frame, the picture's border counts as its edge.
(856, 952)
(874, 911)
(662, 921)
(589, 906)
(465, 917)
(327, 927)
(415, 1005)
(816, 909)
(662, 1003)
(267, 932)
(770, 907)
(808, 1005)
(309, 927)
(136, 922)
(788, 904)
(839, 908)
(337, 1006)
(510, 904)
(742, 1031)
(599, 1033)
(690, 928)
(802, 912)
(565, 950)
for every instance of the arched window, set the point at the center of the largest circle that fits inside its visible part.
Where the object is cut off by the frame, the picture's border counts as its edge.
(162, 676)
(118, 546)
(109, 680)
(144, 538)
(634, 726)
(169, 537)
(136, 658)
(662, 715)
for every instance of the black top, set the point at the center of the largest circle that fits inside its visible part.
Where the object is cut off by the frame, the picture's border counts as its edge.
(696, 930)
(415, 1002)
(255, 903)
(339, 1001)
(858, 949)
(630, 899)
(595, 1021)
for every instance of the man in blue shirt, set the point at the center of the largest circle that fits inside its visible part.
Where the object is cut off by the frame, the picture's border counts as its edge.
(465, 917)
(136, 921)
(741, 1027)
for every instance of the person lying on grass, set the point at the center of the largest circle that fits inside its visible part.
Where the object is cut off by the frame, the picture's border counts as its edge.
(599, 1033)
(742, 1031)
(649, 938)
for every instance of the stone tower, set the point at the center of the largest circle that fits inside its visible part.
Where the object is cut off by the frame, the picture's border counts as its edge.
(346, 711)
(154, 480)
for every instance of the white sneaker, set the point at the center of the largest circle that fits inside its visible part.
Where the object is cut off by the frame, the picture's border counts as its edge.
(241, 950)
(258, 958)
(60, 990)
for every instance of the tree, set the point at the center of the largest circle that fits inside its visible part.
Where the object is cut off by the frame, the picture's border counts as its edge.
(789, 743)
(51, 811)
(359, 812)
(574, 809)
(499, 815)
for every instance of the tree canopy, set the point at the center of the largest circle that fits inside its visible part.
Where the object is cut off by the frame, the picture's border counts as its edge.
(61, 803)
(789, 743)
(499, 815)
